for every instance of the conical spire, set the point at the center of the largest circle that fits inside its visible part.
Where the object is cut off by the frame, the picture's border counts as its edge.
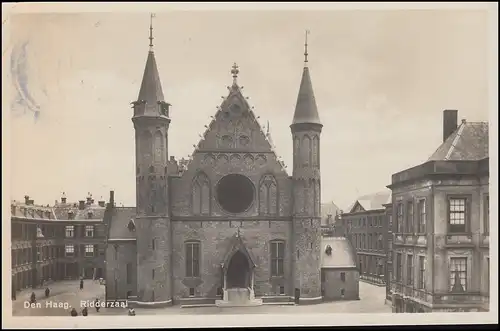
(151, 90)
(306, 110)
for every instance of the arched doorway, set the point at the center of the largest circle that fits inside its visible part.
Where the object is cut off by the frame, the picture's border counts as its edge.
(238, 271)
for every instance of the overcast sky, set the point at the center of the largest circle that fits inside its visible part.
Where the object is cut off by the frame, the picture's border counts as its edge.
(381, 80)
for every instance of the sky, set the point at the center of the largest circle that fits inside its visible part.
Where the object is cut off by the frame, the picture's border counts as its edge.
(381, 81)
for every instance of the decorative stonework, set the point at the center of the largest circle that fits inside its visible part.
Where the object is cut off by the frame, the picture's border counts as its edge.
(201, 194)
(268, 196)
(248, 160)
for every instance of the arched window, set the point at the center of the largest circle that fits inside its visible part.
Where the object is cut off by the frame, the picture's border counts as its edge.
(306, 150)
(159, 147)
(201, 195)
(315, 151)
(145, 147)
(268, 195)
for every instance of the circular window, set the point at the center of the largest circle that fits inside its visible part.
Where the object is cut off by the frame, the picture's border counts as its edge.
(235, 193)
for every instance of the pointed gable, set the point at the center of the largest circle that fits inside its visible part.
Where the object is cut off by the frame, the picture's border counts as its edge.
(306, 110)
(357, 207)
(236, 244)
(234, 127)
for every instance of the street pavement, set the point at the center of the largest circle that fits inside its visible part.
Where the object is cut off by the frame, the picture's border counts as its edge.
(371, 301)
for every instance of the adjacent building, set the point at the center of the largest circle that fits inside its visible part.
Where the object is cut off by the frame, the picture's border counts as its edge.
(339, 273)
(441, 225)
(388, 249)
(49, 243)
(365, 224)
(231, 218)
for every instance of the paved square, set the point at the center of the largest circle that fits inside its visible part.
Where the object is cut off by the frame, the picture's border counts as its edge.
(372, 301)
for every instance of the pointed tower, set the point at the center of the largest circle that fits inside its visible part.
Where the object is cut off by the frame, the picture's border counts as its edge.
(151, 123)
(306, 130)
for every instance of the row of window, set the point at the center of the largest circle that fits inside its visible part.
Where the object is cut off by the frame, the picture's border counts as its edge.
(43, 253)
(410, 269)
(409, 221)
(371, 265)
(371, 241)
(370, 221)
(22, 231)
(89, 250)
(70, 231)
(193, 254)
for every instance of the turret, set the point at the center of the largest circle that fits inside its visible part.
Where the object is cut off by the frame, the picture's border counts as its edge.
(306, 130)
(151, 122)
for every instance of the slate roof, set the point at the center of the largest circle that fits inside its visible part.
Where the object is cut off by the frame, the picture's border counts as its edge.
(119, 223)
(372, 201)
(469, 142)
(343, 255)
(151, 90)
(306, 110)
(58, 212)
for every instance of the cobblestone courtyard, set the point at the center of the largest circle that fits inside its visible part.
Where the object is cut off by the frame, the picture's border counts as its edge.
(372, 301)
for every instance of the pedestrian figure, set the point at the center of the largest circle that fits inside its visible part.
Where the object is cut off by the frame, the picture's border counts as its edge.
(97, 305)
(131, 312)
(85, 311)
(74, 312)
(81, 284)
(47, 292)
(33, 297)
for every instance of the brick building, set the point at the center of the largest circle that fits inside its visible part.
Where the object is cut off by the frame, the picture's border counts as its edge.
(49, 243)
(230, 219)
(441, 225)
(365, 224)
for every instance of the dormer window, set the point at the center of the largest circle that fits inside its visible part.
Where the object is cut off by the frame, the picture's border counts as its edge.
(71, 215)
(90, 214)
(131, 225)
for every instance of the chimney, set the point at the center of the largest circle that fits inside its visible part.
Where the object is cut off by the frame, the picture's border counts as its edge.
(31, 202)
(89, 199)
(172, 158)
(112, 198)
(27, 199)
(102, 203)
(63, 198)
(450, 118)
(81, 206)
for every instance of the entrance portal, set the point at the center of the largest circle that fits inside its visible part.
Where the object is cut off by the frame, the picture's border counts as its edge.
(238, 271)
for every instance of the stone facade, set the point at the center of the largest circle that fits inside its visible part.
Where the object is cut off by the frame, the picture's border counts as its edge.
(233, 196)
(441, 226)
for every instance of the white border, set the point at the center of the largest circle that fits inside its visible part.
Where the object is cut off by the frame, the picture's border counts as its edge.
(267, 319)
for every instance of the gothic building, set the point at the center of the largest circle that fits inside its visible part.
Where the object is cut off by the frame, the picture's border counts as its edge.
(231, 219)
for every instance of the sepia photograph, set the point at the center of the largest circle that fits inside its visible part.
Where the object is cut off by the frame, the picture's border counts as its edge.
(221, 164)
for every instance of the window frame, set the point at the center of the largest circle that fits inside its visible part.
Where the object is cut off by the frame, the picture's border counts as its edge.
(466, 213)
(91, 229)
(410, 269)
(69, 229)
(72, 252)
(421, 272)
(277, 261)
(451, 273)
(192, 267)
(85, 252)
(410, 217)
(486, 214)
(422, 215)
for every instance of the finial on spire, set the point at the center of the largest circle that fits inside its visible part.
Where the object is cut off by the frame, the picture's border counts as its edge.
(267, 128)
(305, 49)
(235, 71)
(151, 32)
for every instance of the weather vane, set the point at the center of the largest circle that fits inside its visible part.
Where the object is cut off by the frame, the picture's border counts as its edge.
(151, 31)
(305, 49)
